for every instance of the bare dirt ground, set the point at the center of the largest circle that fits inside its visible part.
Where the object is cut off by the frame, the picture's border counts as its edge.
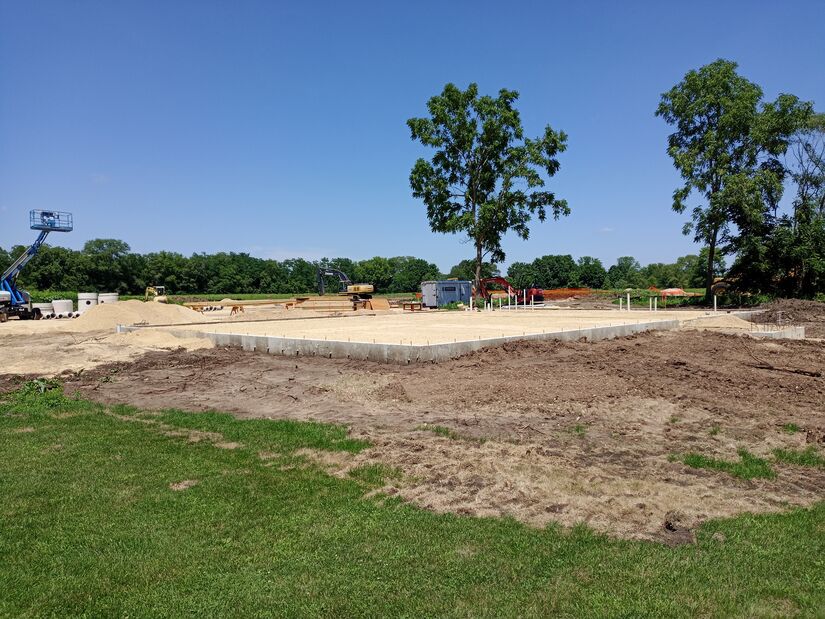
(542, 431)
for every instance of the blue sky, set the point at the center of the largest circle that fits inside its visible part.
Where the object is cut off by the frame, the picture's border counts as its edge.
(279, 129)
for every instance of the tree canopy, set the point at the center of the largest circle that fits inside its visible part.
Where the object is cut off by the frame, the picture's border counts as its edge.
(466, 269)
(726, 145)
(485, 178)
(784, 253)
(108, 265)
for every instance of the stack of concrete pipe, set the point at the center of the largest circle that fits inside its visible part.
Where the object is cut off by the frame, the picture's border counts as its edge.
(63, 308)
(46, 309)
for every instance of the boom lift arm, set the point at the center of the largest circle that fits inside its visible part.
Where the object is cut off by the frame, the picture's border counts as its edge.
(17, 302)
(9, 277)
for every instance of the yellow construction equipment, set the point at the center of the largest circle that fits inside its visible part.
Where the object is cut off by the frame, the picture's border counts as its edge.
(156, 293)
(356, 292)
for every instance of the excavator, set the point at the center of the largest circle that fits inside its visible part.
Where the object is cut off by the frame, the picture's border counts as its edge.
(358, 295)
(156, 293)
(355, 292)
(521, 296)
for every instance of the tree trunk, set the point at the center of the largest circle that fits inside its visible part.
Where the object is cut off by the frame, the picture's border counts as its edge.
(711, 256)
(479, 257)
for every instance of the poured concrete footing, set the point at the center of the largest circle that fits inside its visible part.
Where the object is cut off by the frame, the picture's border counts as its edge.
(783, 333)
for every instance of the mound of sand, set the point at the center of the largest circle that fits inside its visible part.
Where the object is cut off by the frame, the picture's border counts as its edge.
(723, 321)
(108, 316)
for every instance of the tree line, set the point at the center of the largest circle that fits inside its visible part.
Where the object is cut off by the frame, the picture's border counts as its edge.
(108, 265)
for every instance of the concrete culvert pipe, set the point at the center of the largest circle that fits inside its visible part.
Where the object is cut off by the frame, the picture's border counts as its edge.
(46, 309)
(85, 300)
(62, 308)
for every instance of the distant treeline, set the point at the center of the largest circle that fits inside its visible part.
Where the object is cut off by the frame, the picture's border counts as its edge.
(109, 265)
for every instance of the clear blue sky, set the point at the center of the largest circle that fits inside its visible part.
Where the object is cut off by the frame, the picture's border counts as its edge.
(279, 129)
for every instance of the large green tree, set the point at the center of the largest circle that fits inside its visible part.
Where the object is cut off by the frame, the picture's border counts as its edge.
(166, 268)
(522, 275)
(409, 272)
(485, 178)
(592, 273)
(376, 271)
(806, 165)
(626, 273)
(468, 269)
(106, 264)
(726, 146)
(556, 271)
(785, 254)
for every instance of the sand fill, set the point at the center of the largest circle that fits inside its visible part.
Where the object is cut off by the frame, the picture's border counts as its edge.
(398, 327)
(150, 339)
(108, 316)
(724, 321)
(55, 352)
(49, 347)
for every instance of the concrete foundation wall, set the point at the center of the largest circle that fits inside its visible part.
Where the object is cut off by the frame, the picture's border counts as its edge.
(400, 353)
(403, 353)
(785, 333)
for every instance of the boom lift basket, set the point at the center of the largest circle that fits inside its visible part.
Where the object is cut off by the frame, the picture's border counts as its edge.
(53, 221)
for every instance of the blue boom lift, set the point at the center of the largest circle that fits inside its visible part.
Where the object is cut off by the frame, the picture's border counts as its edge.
(16, 302)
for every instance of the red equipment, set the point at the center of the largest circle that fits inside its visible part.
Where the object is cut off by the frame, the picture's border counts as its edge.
(532, 294)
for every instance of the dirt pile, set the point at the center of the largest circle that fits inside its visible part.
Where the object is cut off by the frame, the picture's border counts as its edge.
(809, 314)
(108, 316)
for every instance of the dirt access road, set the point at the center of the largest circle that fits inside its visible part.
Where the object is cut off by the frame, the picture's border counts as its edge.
(543, 431)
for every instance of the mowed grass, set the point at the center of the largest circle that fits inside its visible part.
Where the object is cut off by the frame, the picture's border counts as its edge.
(90, 525)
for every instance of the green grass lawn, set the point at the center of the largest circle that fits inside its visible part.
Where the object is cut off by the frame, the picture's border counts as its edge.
(90, 526)
(748, 466)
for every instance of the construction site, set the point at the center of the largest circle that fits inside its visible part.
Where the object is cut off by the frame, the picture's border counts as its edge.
(537, 408)
(546, 413)
(323, 328)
